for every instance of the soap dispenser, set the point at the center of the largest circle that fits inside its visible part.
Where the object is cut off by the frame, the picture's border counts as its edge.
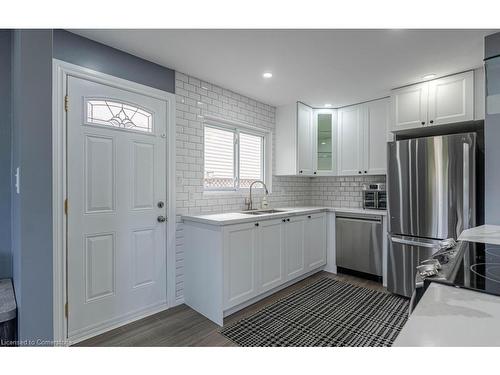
(264, 203)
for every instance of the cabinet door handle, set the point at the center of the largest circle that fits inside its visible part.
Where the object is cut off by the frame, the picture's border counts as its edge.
(314, 172)
(256, 224)
(287, 219)
(300, 171)
(359, 172)
(432, 121)
(283, 220)
(366, 172)
(423, 122)
(308, 216)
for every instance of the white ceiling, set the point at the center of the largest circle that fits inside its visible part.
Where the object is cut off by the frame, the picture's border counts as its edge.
(340, 67)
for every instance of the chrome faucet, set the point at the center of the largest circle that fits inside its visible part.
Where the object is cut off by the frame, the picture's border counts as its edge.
(248, 201)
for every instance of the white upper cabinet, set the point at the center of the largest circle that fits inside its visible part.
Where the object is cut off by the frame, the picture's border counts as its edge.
(362, 138)
(441, 101)
(305, 138)
(306, 143)
(330, 142)
(350, 140)
(409, 106)
(375, 139)
(294, 140)
(451, 99)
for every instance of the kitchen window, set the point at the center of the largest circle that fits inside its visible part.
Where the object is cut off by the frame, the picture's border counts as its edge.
(233, 157)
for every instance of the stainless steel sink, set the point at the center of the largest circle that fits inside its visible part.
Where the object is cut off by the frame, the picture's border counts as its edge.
(261, 212)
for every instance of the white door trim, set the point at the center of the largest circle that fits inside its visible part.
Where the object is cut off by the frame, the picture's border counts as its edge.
(61, 70)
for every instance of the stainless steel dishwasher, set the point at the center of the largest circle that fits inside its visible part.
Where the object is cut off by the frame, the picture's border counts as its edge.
(359, 242)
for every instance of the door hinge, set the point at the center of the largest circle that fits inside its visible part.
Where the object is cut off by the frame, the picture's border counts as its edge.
(66, 309)
(66, 105)
(65, 206)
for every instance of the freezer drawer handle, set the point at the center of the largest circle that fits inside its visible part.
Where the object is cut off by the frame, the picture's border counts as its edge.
(414, 243)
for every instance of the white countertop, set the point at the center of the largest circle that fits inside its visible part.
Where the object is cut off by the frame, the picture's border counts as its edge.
(450, 316)
(238, 217)
(482, 233)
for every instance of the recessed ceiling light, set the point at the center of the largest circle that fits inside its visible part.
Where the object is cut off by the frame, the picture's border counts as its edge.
(323, 143)
(429, 76)
(328, 105)
(267, 75)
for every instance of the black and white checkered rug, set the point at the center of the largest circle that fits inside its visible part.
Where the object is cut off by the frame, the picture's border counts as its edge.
(325, 313)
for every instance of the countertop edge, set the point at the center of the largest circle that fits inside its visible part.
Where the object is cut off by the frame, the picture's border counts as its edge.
(292, 211)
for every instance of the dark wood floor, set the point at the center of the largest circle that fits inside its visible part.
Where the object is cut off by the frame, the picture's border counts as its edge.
(182, 326)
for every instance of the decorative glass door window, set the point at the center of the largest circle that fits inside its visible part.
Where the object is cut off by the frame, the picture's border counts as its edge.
(118, 115)
(325, 147)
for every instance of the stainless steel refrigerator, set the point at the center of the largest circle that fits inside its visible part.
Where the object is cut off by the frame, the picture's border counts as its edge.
(431, 189)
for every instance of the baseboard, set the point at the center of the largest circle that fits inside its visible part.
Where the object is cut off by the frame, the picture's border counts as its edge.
(116, 323)
(178, 301)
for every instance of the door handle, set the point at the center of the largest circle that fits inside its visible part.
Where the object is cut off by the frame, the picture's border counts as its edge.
(161, 219)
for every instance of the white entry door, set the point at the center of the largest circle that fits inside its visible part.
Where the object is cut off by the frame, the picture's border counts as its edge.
(116, 169)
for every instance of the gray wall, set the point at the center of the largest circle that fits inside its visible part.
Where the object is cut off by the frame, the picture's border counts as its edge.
(492, 141)
(32, 208)
(85, 52)
(5, 154)
(31, 149)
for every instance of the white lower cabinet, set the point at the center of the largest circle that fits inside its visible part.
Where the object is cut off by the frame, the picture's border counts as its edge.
(230, 266)
(240, 255)
(271, 254)
(294, 245)
(315, 241)
(263, 255)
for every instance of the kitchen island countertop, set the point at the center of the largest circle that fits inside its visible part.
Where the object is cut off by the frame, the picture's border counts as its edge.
(451, 316)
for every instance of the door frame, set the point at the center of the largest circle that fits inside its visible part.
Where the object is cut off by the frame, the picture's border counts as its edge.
(60, 72)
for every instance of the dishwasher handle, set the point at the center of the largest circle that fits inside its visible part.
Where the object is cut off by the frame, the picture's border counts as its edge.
(358, 219)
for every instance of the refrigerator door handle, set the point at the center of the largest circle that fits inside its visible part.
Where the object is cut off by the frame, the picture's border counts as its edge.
(412, 243)
(466, 213)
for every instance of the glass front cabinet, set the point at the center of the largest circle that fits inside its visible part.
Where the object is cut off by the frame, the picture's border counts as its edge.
(325, 125)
